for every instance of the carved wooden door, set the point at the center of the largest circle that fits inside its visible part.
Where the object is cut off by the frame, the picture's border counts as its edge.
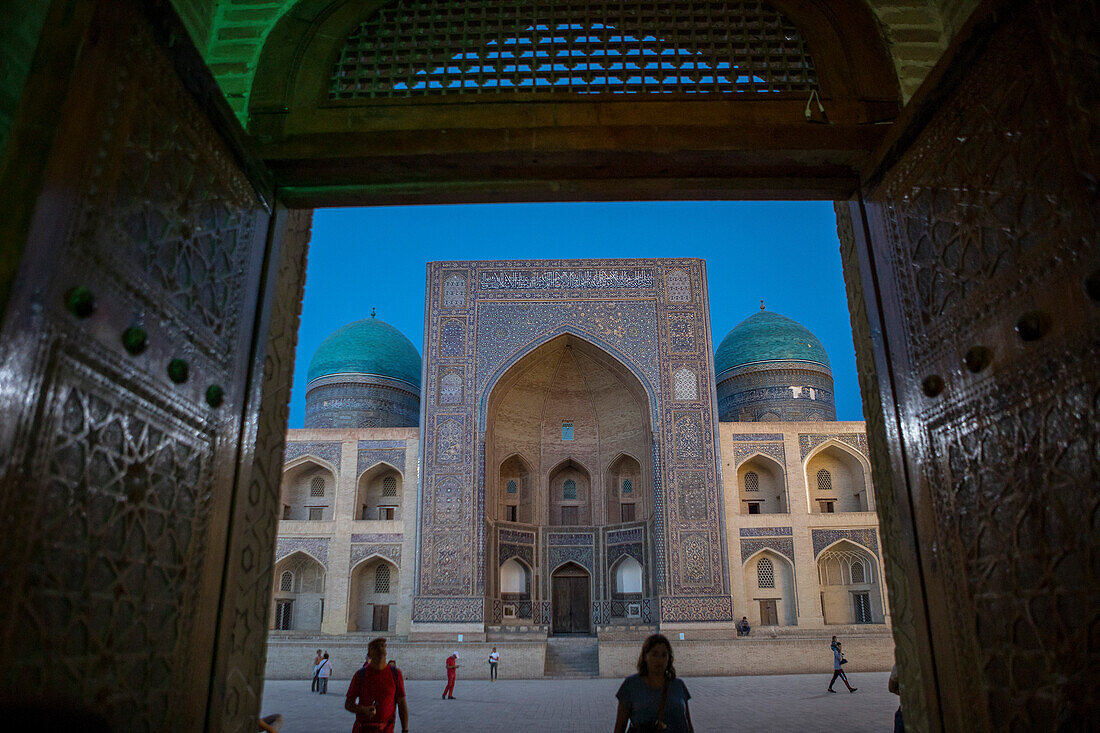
(570, 601)
(977, 251)
(768, 614)
(138, 484)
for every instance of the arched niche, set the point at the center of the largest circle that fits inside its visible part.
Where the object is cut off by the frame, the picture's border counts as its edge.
(379, 493)
(516, 487)
(628, 496)
(837, 480)
(308, 490)
(849, 579)
(566, 399)
(297, 600)
(373, 592)
(770, 587)
(627, 579)
(762, 486)
(570, 494)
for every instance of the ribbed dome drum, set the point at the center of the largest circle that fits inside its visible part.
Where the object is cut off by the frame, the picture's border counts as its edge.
(772, 368)
(364, 375)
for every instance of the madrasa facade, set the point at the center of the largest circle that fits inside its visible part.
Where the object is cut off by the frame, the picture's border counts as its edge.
(572, 458)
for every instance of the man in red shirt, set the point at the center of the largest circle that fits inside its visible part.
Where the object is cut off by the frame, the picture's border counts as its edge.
(452, 671)
(376, 692)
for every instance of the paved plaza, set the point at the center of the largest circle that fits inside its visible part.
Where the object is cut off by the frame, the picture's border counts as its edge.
(772, 703)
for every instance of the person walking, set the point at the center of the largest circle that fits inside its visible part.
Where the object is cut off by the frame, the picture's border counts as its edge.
(324, 671)
(452, 673)
(377, 693)
(654, 699)
(316, 665)
(838, 670)
(494, 657)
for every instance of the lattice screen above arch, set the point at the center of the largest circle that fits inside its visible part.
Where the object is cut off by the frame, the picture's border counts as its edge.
(415, 48)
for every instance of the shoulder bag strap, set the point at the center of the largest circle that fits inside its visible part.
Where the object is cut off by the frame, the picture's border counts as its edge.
(661, 710)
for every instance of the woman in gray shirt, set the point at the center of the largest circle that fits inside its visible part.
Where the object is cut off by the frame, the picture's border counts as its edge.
(641, 694)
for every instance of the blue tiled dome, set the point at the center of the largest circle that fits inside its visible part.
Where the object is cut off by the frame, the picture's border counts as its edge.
(369, 346)
(767, 336)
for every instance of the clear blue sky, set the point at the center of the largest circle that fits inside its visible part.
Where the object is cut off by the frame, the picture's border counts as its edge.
(784, 252)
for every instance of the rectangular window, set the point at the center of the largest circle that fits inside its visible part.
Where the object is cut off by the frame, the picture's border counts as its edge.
(863, 608)
(283, 615)
(569, 515)
(316, 513)
(829, 507)
(754, 507)
(385, 512)
(286, 511)
(567, 431)
(627, 512)
(513, 511)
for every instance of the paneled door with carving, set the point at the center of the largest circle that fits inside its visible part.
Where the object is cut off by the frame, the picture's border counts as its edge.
(136, 521)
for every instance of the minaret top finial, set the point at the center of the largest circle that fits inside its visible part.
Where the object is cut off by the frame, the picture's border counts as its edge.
(372, 310)
(761, 304)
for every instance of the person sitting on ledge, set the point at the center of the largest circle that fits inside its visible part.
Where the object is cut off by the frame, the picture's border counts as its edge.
(743, 627)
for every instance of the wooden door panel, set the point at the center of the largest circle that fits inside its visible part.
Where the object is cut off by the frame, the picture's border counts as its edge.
(133, 344)
(980, 242)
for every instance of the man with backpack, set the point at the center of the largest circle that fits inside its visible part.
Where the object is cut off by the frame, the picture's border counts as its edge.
(377, 693)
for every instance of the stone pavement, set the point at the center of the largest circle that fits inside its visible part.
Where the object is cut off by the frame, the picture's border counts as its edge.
(771, 703)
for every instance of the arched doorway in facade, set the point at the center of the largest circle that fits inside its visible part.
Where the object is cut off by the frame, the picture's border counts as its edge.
(570, 607)
(373, 592)
(298, 600)
(848, 577)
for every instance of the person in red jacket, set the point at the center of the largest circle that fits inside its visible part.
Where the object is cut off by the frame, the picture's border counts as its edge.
(377, 694)
(452, 665)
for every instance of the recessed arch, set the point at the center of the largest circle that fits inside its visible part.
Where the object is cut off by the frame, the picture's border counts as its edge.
(300, 607)
(299, 498)
(848, 479)
(769, 496)
(379, 492)
(774, 604)
(850, 583)
(374, 585)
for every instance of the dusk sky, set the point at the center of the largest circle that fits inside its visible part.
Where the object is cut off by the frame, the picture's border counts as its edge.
(785, 253)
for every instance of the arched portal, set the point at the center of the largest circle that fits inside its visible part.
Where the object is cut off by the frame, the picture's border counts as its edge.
(570, 589)
(298, 599)
(851, 593)
(373, 591)
(837, 481)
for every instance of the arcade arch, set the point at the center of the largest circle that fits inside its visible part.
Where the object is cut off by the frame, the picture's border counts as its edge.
(308, 490)
(762, 486)
(837, 480)
(849, 580)
(373, 591)
(627, 498)
(769, 585)
(379, 493)
(517, 487)
(298, 599)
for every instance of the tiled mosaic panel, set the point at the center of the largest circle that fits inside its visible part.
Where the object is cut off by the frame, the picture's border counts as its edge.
(744, 451)
(450, 610)
(378, 452)
(822, 538)
(808, 441)
(388, 551)
(783, 545)
(421, 49)
(361, 406)
(696, 608)
(329, 452)
(316, 547)
(766, 395)
(766, 532)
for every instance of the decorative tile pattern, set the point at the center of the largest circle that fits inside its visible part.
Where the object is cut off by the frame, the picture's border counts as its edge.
(376, 537)
(753, 437)
(685, 385)
(808, 441)
(783, 545)
(557, 556)
(523, 552)
(681, 333)
(695, 558)
(744, 451)
(689, 438)
(451, 386)
(575, 538)
(371, 456)
(329, 452)
(516, 536)
(822, 538)
(448, 441)
(693, 496)
(696, 608)
(631, 278)
(315, 546)
(454, 291)
(452, 338)
(447, 502)
(636, 534)
(766, 532)
(678, 286)
(634, 549)
(450, 609)
(388, 551)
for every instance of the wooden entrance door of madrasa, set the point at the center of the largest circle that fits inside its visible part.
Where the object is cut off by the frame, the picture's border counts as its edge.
(570, 609)
(150, 281)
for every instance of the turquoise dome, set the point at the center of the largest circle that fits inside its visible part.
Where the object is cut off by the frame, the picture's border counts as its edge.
(767, 336)
(369, 346)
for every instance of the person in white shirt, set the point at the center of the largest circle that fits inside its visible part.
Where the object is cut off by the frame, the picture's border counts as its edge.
(324, 671)
(494, 657)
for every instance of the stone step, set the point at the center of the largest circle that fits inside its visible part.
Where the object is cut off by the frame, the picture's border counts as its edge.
(572, 657)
